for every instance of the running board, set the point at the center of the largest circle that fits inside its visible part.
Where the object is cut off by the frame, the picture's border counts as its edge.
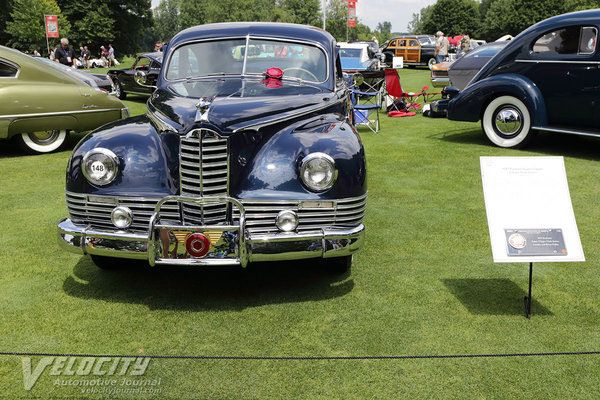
(569, 131)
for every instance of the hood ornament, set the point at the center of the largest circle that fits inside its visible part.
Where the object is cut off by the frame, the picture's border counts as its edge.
(203, 107)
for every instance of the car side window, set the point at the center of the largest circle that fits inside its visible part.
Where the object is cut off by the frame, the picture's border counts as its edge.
(414, 43)
(7, 70)
(587, 40)
(393, 43)
(569, 40)
(142, 64)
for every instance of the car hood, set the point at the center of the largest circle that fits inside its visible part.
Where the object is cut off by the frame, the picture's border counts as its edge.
(231, 106)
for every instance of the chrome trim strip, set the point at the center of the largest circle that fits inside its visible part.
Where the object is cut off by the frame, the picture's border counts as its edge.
(558, 62)
(58, 113)
(568, 131)
(156, 117)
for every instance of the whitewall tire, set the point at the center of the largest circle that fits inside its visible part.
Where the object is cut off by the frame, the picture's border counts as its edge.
(43, 141)
(506, 122)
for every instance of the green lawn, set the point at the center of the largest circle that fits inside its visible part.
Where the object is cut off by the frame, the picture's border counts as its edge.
(424, 284)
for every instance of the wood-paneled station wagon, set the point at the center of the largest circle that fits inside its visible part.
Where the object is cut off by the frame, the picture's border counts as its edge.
(246, 154)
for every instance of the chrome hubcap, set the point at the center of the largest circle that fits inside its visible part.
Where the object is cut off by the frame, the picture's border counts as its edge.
(508, 121)
(44, 137)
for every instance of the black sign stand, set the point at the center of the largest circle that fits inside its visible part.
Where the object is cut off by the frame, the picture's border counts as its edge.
(528, 298)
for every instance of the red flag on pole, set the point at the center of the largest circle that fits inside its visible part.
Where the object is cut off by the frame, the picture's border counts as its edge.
(52, 26)
(352, 13)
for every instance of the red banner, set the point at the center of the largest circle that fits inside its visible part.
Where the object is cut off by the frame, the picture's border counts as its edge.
(51, 26)
(352, 13)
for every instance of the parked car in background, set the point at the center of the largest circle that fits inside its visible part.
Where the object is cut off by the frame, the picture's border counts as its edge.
(123, 79)
(357, 57)
(41, 104)
(414, 49)
(458, 73)
(99, 81)
(246, 153)
(545, 79)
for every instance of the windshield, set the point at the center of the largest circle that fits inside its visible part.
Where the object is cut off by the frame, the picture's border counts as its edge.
(354, 53)
(226, 57)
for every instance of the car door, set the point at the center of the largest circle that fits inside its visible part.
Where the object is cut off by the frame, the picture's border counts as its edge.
(141, 64)
(565, 67)
(413, 51)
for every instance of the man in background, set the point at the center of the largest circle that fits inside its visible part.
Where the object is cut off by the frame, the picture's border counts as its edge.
(441, 47)
(65, 54)
(111, 56)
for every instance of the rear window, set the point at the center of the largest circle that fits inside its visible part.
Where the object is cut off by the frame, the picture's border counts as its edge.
(570, 40)
(7, 70)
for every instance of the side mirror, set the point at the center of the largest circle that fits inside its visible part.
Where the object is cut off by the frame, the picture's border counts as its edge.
(141, 78)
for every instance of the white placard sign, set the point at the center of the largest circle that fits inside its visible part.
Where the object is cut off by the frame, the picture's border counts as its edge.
(529, 210)
(398, 62)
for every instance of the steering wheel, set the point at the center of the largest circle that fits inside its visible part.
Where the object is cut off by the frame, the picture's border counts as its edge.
(307, 72)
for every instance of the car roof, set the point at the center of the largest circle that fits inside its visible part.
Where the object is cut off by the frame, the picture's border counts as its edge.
(266, 29)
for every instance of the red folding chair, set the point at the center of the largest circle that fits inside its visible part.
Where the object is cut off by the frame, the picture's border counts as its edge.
(394, 89)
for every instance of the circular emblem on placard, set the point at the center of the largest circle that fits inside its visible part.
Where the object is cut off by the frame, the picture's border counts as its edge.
(517, 241)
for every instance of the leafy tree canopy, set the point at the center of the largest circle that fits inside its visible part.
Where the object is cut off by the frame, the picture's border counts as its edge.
(27, 29)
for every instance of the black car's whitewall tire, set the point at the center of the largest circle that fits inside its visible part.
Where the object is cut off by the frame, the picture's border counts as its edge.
(506, 122)
(119, 91)
(43, 141)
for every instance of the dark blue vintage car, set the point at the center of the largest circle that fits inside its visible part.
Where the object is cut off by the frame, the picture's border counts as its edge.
(246, 153)
(545, 79)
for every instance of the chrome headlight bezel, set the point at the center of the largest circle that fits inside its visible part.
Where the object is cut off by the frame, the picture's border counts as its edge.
(93, 159)
(325, 161)
(121, 217)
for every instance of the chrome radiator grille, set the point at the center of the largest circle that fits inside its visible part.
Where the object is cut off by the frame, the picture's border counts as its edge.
(204, 172)
(344, 213)
(95, 210)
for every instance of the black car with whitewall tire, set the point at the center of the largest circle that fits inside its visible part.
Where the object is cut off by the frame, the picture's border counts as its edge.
(545, 79)
(124, 79)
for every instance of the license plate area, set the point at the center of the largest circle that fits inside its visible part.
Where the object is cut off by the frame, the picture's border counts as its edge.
(170, 245)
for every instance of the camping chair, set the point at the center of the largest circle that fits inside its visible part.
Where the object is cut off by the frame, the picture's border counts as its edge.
(394, 89)
(366, 105)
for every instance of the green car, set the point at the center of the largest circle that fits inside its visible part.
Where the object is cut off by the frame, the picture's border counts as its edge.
(40, 105)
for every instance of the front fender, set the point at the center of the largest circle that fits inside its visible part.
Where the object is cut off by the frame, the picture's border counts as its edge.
(469, 104)
(273, 172)
(148, 162)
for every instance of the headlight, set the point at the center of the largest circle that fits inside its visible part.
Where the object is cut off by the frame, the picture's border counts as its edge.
(318, 172)
(100, 166)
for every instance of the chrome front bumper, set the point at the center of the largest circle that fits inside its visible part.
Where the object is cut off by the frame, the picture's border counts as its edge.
(232, 243)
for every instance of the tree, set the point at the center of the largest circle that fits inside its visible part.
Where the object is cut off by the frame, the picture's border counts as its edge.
(306, 12)
(122, 22)
(453, 17)
(6, 7)
(513, 16)
(415, 26)
(192, 13)
(27, 29)
(166, 19)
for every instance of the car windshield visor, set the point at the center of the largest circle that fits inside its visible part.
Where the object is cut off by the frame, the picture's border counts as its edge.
(234, 57)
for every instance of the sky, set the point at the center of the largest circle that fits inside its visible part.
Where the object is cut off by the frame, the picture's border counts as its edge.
(371, 12)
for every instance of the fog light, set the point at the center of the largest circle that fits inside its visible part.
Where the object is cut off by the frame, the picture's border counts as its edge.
(197, 245)
(287, 220)
(121, 217)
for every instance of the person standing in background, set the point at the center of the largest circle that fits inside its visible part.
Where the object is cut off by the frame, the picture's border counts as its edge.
(465, 43)
(441, 47)
(65, 54)
(111, 56)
